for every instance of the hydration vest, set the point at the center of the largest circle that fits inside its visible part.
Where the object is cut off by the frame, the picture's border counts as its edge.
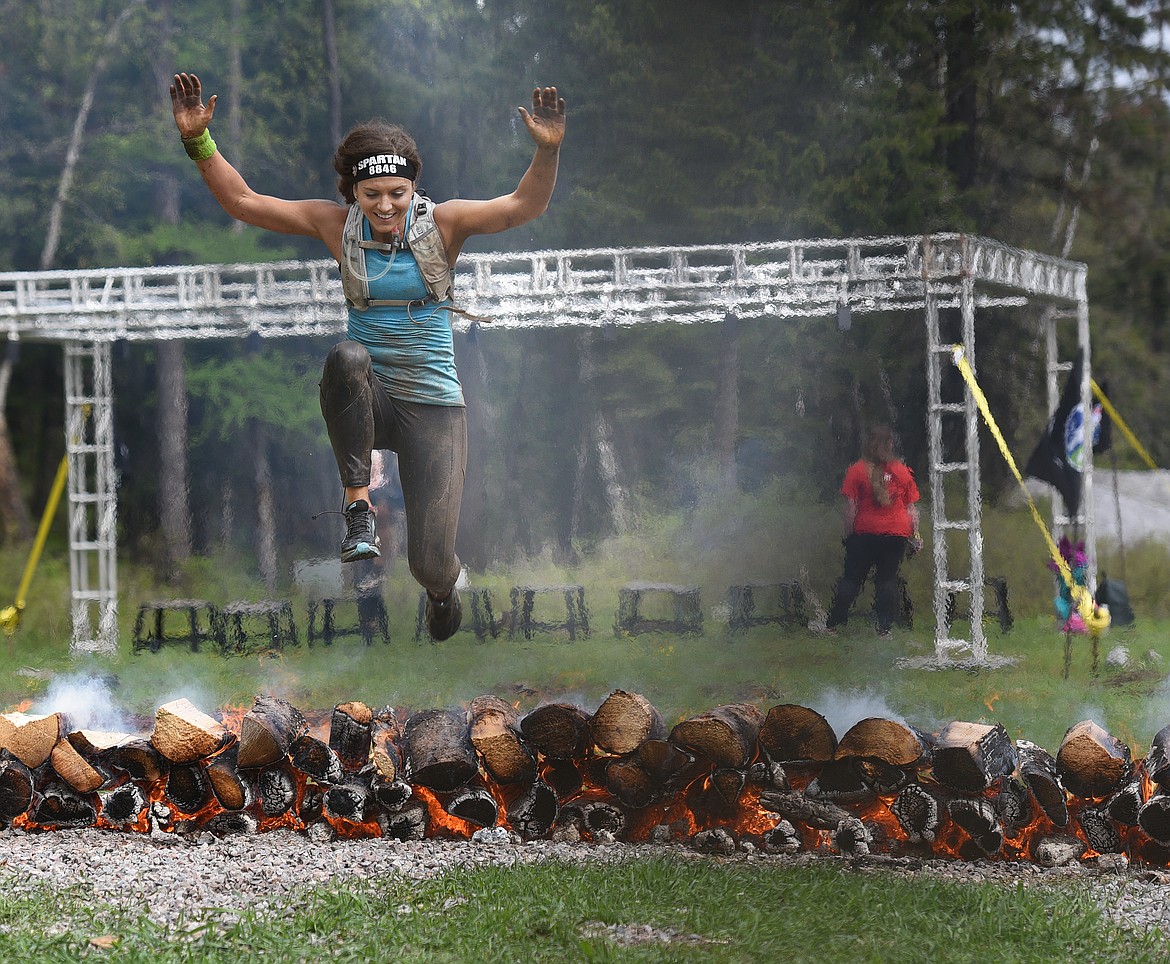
(422, 240)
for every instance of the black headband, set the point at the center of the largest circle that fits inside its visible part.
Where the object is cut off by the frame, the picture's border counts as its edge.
(384, 165)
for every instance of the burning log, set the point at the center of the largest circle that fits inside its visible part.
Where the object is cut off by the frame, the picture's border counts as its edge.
(1091, 763)
(596, 816)
(782, 839)
(894, 743)
(1038, 768)
(316, 759)
(768, 773)
(351, 734)
(1013, 803)
(495, 734)
(386, 757)
(558, 731)
(1058, 851)
(188, 787)
(184, 734)
(71, 767)
(1157, 761)
(231, 823)
(819, 814)
(93, 744)
(475, 805)
(729, 784)
(1125, 805)
(123, 805)
(726, 735)
(628, 780)
(348, 800)
(390, 796)
(978, 817)
(268, 731)
(1154, 817)
(16, 787)
(839, 781)
(30, 738)
(792, 734)
(623, 721)
(223, 773)
(714, 841)
(439, 754)
(882, 778)
(1100, 830)
(970, 757)
(535, 813)
(851, 838)
(409, 823)
(140, 759)
(277, 789)
(917, 813)
(564, 777)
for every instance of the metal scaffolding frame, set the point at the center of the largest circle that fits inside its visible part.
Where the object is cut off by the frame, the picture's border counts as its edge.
(91, 309)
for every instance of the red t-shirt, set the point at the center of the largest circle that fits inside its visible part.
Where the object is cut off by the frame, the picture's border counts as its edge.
(881, 520)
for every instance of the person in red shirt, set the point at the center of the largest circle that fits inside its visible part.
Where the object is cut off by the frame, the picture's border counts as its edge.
(881, 521)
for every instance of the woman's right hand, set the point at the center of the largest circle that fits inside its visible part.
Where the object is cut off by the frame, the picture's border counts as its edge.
(191, 116)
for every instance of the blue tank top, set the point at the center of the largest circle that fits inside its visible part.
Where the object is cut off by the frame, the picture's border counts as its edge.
(412, 349)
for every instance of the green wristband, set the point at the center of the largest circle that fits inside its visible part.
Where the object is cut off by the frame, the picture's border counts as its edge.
(199, 148)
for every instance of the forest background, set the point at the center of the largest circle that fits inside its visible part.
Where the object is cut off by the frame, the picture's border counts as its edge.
(1041, 124)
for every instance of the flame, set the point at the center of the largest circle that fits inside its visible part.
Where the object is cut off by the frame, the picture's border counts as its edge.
(991, 701)
(232, 717)
(439, 822)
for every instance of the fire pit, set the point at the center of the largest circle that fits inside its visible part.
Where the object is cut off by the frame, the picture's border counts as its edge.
(780, 781)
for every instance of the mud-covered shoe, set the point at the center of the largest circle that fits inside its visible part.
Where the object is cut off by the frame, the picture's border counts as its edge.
(361, 536)
(443, 615)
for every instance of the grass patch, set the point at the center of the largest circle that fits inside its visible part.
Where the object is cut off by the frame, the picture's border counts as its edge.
(658, 909)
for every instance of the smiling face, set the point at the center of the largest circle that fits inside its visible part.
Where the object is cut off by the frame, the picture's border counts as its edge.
(385, 202)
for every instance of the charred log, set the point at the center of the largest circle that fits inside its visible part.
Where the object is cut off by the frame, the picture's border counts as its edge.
(1038, 768)
(792, 733)
(970, 757)
(276, 788)
(594, 816)
(979, 819)
(312, 807)
(819, 814)
(392, 795)
(1100, 831)
(840, 781)
(535, 813)
(727, 735)
(495, 734)
(1154, 817)
(1157, 761)
(1057, 851)
(351, 734)
(1091, 762)
(1125, 805)
(717, 840)
(558, 731)
(229, 824)
(61, 808)
(475, 805)
(1013, 803)
(316, 759)
(16, 787)
(140, 760)
(409, 823)
(851, 838)
(268, 731)
(347, 800)
(123, 805)
(782, 839)
(882, 778)
(564, 778)
(439, 753)
(188, 788)
(768, 773)
(917, 813)
(893, 743)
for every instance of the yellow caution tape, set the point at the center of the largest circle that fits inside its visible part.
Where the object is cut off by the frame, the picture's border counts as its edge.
(1097, 619)
(1120, 423)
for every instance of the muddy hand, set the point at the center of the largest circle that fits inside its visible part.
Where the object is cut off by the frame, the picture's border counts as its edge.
(191, 116)
(546, 123)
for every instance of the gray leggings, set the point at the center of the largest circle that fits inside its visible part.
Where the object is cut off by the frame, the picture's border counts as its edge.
(431, 442)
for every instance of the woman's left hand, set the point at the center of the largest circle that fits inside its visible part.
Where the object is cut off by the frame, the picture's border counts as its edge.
(546, 123)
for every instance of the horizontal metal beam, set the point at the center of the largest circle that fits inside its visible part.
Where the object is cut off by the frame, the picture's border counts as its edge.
(783, 279)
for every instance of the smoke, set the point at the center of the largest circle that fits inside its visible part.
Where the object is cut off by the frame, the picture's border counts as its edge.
(87, 702)
(843, 709)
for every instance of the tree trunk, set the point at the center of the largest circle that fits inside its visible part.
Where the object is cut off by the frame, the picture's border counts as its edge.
(265, 507)
(602, 441)
(15, 519)
(333, 66)
(235, 117)
(173, 495)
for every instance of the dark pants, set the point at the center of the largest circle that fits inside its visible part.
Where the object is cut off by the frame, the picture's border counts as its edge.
(431, 442)
(863, 552)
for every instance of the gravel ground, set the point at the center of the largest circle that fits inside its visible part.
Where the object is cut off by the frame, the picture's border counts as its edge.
(176, 879)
